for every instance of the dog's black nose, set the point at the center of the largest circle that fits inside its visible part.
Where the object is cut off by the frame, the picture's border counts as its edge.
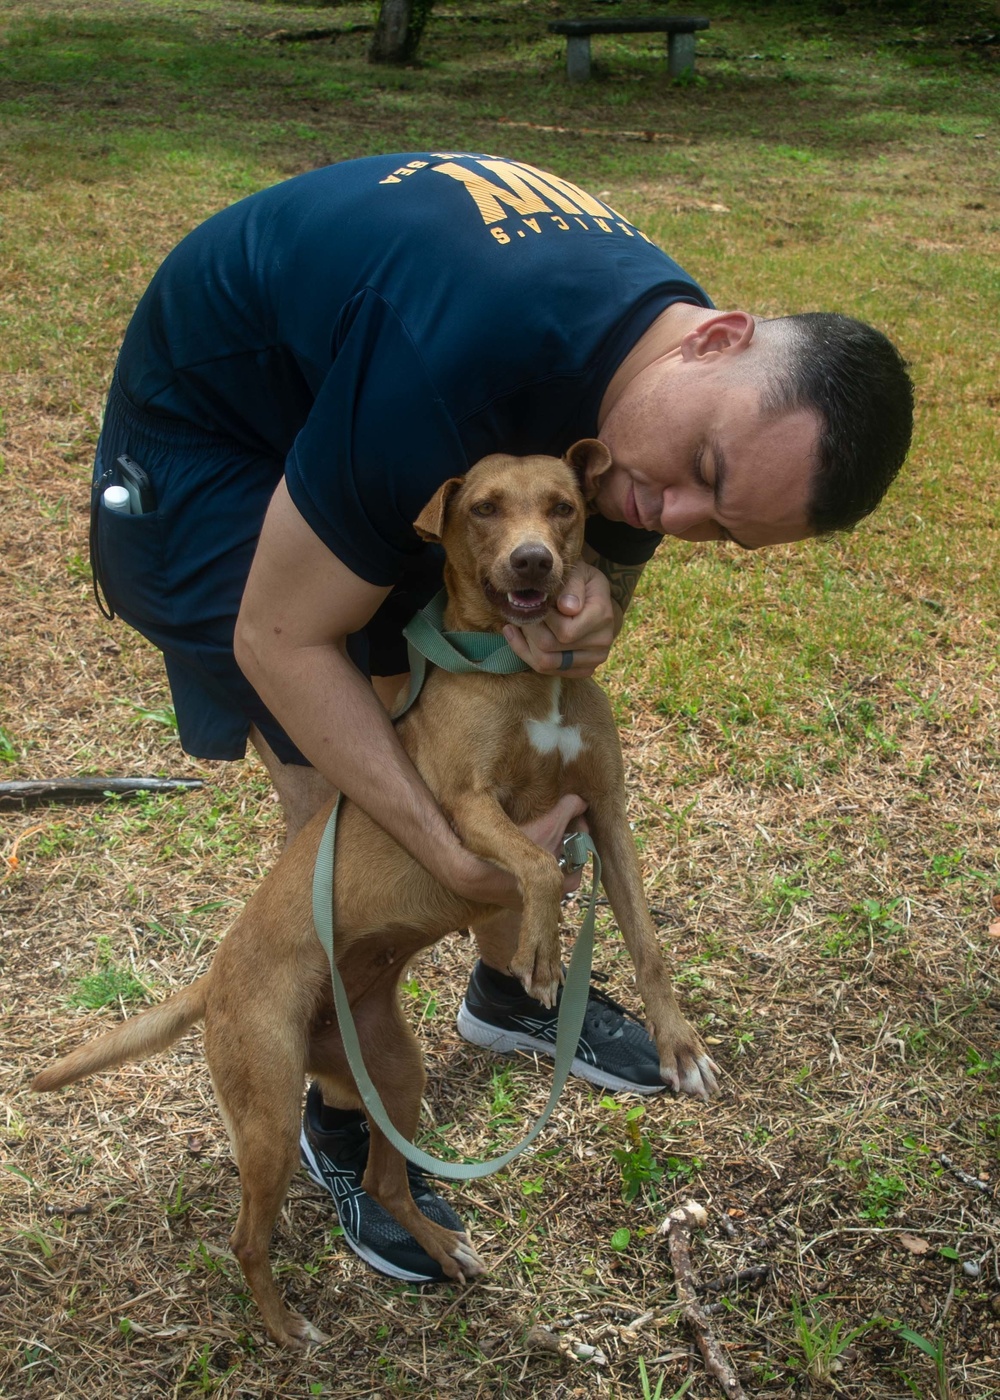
(531, 562)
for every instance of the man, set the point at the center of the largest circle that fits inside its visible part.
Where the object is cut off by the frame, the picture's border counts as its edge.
(303, 372)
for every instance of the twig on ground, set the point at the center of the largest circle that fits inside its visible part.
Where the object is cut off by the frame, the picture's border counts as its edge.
(964, 1177)
(70, 789)
(677, 1227)
(757, 1273)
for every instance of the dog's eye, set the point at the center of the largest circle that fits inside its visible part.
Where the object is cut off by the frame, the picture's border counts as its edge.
(563, 508)
(484, 508)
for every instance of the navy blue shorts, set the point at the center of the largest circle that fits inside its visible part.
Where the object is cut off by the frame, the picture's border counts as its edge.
(177, 573)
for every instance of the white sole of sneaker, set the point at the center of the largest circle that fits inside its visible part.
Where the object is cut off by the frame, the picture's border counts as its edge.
(374, 1260)
(506, 1042)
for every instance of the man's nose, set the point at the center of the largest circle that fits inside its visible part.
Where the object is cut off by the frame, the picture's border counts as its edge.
(682, 510)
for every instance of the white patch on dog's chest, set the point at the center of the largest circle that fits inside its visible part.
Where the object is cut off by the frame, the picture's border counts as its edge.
(551, 734)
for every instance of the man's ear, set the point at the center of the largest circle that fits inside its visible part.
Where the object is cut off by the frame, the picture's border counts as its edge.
(590, 459)
(429, 524)
(721, 332)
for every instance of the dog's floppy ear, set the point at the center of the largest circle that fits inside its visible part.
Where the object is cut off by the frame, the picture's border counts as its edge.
(429, 524)
(590, 459)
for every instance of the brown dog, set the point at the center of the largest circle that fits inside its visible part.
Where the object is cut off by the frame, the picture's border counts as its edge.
(495, 751)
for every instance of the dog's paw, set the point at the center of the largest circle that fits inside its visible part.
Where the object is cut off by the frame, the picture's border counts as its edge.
(539, 972)
(469, 1263)
(685, 1065)
(298, 1333)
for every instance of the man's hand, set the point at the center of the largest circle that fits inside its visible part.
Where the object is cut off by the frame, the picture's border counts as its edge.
(548, 831)
(583, 624)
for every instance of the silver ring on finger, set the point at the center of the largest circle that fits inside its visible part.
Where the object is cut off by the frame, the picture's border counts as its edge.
(567, 661)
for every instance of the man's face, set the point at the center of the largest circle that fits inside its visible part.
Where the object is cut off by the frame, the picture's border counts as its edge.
(693, 457)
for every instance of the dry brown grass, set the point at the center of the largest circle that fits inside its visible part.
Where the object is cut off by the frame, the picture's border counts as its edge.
(842, 1068)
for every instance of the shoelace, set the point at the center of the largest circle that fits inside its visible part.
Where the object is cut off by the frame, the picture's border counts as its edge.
(596, 994)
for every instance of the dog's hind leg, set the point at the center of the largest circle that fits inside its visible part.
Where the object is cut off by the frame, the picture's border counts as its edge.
(392, 1058)
(258, 1086)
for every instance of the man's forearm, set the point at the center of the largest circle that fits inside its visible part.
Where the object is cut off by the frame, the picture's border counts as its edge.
(622, 580)
(331, 712)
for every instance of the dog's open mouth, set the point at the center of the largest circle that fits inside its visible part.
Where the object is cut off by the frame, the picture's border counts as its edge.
(519, 604)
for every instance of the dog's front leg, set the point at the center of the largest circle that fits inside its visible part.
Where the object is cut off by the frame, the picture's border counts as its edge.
(685, 1064)
(485, 829)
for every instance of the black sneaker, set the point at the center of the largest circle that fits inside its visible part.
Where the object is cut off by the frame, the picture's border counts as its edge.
(614, 1050)
(336, 1158)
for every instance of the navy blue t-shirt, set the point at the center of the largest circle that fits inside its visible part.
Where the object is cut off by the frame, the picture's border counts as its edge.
(381, 324)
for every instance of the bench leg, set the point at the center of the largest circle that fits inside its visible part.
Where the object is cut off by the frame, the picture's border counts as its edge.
(680, 54)
(578, 57)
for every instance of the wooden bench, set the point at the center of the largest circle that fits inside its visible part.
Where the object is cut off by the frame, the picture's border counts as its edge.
(679, 29)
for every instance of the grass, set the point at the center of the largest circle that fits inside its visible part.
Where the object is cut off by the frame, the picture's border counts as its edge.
(811, 737)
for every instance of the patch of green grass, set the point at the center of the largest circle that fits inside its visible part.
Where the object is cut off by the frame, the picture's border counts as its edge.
(110, 984)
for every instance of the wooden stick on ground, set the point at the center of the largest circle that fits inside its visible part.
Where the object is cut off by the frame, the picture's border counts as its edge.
(88, 789)
(677, 1227)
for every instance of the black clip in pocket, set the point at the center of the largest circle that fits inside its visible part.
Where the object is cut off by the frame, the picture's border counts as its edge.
(96, 493)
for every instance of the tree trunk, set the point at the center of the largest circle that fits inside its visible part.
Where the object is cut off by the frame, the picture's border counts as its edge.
(398, 29)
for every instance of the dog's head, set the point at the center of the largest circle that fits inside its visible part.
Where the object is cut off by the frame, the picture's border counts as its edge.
(512, 528)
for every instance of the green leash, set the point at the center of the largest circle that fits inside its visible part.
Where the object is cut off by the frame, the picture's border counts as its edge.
(458, 651)
(488, 653)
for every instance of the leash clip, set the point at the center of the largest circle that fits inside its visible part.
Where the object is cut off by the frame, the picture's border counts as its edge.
(574, 853)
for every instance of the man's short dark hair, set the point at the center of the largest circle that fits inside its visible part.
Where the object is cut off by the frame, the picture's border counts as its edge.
(856, 380)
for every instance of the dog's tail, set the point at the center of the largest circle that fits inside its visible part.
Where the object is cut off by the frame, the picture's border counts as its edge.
(135, 1039)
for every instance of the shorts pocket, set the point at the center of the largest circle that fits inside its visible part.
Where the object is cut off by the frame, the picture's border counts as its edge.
(130, 554)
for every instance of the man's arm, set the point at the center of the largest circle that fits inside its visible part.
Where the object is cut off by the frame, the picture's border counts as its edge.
(300, 604)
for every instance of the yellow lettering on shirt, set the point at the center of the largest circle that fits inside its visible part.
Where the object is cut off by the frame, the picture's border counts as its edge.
(548, 186)
(559, 223)
(490, 198)
(573, 200)
(603, 223)
(391, 180)
(533, 224)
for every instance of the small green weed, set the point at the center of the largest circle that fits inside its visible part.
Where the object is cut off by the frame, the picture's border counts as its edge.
(880, 1195)
(823, 1344)
(877, 919)
(977, 1065)
(199, 1378)
(935, 1350)
(8, 749)
(649, 1394)
(426, 1001)
(166, 717)
(780, 901)
(112, 983)
(177, 1207)
(639, 1168)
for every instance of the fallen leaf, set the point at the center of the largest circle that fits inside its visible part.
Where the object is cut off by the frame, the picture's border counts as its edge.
(914, 1244)
(994, 929)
